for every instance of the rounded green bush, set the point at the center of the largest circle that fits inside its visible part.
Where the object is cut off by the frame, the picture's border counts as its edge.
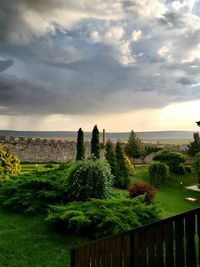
(90, 179)
(158, 173)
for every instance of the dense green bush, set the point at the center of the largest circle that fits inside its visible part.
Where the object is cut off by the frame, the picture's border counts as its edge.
(89, 179)
(173, 159)
(188, 169)
(123, 172)
(34, 191)
(197, 166)
(158, 173)
(145, 189)
(101, 217)
(9, 163)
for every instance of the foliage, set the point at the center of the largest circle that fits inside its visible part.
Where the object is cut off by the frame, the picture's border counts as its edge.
(150, 149)
(123, 168)
(111, 157)
(197, 166)
(145, 189)
(80, 154)
(172, 159)
(188, 169)
(97, 218)
(95, 144)
(49, 166)
(134, 148)
(9, 163)
(158, 173)
(89, 179)
(34, 191)
(194, 147)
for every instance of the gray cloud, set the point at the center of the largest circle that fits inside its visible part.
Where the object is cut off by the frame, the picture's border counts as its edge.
(5, 64)
(92, 67)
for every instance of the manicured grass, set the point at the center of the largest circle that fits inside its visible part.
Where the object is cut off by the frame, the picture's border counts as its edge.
(30, 167)
(171, 197)
(27, 241)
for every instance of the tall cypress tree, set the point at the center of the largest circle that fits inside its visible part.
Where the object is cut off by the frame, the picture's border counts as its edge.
(80, 152)
(95, 144)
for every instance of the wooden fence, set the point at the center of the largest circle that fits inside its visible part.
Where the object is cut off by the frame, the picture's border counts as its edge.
(173, 242)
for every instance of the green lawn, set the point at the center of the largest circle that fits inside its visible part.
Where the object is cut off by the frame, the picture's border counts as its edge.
(30, 167)
(27, 241)
(171, 197)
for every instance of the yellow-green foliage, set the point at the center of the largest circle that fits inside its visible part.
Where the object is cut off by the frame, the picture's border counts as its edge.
(9, 163)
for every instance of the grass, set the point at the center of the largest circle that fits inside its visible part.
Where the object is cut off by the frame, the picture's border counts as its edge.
(28, 241)
(171, 197)
(30, 167)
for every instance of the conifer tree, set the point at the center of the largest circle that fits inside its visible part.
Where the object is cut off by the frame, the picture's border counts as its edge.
(80, 154)
(123, 169)
(134, 148)
(95, 144)
(110, 157)
(194, 147)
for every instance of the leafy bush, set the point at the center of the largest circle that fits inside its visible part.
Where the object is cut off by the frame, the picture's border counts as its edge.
(188, 169)
(9, 163)
(158, 173)
(147, 190)
(123, 168)
(179, 169)
(101, 217)
(34, 192)
(89, 179)
(197, 166)
(172, 159)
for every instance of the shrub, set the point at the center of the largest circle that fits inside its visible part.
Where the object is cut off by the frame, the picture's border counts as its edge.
(101, 217)
(9, 163)
(172, 159)
(179, 169)
(158, 173)
(123, 168)
(147, 190)
(89, 179)
(197, 166)
(188, 169)
(34, 191)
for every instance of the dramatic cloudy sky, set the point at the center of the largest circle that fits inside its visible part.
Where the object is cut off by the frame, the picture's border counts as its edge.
(121, 64)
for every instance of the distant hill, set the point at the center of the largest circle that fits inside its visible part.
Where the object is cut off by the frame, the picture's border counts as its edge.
(72, 134)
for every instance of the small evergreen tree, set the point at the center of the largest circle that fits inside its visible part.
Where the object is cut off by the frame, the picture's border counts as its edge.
(194, 147)
(134, 148)
(9, 163)
(80, 153)
(95, 144)
(197, 166)
(123, 168)
(110, 157)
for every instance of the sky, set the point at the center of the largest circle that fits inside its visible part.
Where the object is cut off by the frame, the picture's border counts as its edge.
(121, 64)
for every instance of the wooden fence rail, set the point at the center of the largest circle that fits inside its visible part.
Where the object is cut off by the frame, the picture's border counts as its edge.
(173, 242)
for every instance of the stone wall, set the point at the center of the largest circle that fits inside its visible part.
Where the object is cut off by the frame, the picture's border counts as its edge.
(42, 150)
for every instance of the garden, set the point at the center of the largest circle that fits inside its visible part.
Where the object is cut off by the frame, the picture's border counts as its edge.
(46, 209)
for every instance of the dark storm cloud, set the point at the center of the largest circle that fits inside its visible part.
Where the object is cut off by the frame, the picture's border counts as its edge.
(5, 64)
(97, 64)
